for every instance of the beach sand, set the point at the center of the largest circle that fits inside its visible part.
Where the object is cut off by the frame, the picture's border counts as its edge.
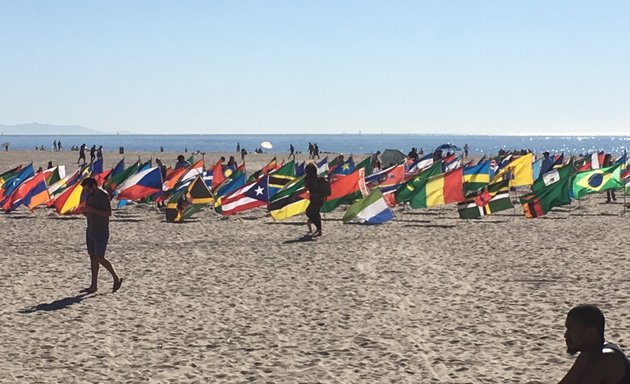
(427, 298)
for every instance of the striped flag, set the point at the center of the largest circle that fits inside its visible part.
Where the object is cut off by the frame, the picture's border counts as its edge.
(493, 198)
(372, 209)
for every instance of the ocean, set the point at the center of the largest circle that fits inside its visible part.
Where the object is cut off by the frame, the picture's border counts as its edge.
(343, 143)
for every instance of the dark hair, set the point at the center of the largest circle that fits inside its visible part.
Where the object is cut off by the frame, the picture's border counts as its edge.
(89, 182)
(310, 169)
(590, 316)
(180, 158)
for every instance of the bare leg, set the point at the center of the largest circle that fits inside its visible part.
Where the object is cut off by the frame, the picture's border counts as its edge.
(94, 266)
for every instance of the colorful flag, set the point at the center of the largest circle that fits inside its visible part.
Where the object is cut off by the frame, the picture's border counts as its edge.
(280, 177)
(290, 201)
(519, 171)
(14, 182)
(273, 164)
(185, 202)
(597, 180)
(411, 186)
(563, 172)
(141, 185)
(440, 189)
(115, 180)
(552, 191)
(252, 195)
(69, 200)
(366, 165)
(31, 193)
(489, 199)
(476, 176)
(235, 181)
(346, 168)
(217, 175)
(372, 209)
(345, 190)
(9, 174)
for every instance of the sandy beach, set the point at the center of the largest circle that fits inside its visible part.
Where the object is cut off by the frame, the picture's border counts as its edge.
(426, 298)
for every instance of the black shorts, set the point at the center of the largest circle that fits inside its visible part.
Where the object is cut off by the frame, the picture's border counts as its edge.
(96, 243)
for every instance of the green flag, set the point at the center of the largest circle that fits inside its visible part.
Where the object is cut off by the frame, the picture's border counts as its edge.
(406, 191)
(366, 164)
(553, 192)
(597, 180)
(111, 184)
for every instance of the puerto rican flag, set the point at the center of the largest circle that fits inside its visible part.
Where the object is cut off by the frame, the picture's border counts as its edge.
(252, 195)
(141, 185)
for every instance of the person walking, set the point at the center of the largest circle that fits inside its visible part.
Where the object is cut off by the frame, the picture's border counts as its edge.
(316, 197)
(92, 153)
(291, 151)
(99, 152)
(97, 211)
(315, 151)
(81, 154)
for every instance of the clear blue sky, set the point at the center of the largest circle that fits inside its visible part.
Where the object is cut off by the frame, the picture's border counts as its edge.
(490, 67)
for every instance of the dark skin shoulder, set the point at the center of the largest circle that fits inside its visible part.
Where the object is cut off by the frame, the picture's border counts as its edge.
(599, 368)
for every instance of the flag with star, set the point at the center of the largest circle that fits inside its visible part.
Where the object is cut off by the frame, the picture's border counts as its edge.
(346, 168)
(253, 194)
(597, 180)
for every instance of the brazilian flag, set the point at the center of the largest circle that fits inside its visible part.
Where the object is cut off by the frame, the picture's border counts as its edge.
(597, 180)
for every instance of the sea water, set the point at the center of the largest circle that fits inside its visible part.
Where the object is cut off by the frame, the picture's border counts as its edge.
(342, 143)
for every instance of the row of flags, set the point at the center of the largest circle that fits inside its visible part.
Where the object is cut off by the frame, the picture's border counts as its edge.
(479, 189)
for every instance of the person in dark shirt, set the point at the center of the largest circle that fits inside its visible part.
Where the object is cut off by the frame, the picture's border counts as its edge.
(291, 151)
(610, 193)
(99, 152)
(92, 153)
(599, 362)
(315, 151)
(97, 210)
(546, 165)
(315, 197)
(81, 154)
(181, 162)
(413, 155)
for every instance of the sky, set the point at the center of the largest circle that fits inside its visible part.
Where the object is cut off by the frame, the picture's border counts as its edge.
(297, 66)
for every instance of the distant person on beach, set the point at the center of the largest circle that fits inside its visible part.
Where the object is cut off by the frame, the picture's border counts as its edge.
(59, 148)
(92, 153)
(232, 165)
(413, 154)
(610, 193)
(55, 145)
(310, 150)
(243, 153)
(238, 147)
(50, 165)
(181, 162)
(546, 165)
(291, 151)
(316, 198)
(97, 211)
(315, 151)
(465, 151)
(99, 152)
(161, 148)
(81, 154)
(599, 361)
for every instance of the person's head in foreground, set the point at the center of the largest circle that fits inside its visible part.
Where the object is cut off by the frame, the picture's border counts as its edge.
(598, 361)
(89, 185)
(310, 169)
(584, 328)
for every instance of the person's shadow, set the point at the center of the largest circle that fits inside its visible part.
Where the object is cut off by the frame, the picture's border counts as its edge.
(303, 239)
(57, 304)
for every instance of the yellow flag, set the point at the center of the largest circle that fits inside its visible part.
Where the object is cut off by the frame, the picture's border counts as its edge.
(520, 171)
